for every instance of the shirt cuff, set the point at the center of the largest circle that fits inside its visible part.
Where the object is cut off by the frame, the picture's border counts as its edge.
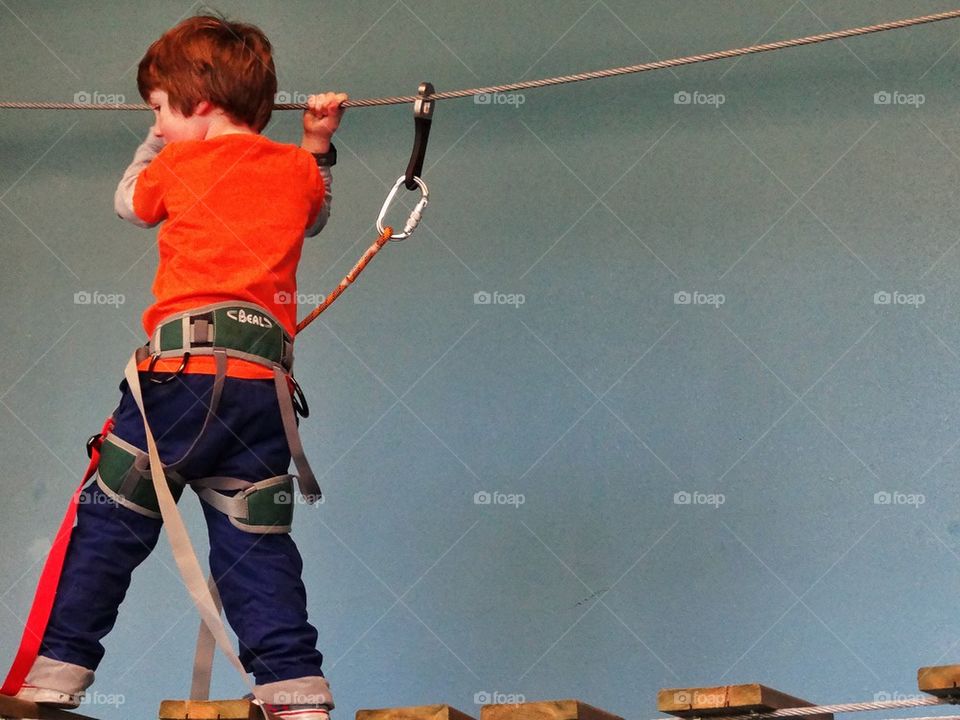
(327, 159)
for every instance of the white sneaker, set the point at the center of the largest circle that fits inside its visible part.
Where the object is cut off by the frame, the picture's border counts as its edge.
(299, 712)
(49, 697)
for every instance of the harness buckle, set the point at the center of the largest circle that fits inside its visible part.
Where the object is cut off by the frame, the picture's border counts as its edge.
(164, 381)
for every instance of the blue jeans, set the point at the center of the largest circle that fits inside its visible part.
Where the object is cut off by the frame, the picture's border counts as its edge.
(258, 575)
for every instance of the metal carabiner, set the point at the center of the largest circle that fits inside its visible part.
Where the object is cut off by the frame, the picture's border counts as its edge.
(415, 215)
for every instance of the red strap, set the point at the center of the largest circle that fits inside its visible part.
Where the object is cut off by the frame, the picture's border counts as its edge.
(49, 579)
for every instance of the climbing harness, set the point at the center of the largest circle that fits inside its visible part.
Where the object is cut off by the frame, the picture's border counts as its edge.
(223, 330)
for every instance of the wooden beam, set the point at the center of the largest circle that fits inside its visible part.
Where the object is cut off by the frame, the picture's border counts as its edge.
(209, 710)
(416, 712)
(728, 700)
(545, 710)
(11, 707)
(939, 680)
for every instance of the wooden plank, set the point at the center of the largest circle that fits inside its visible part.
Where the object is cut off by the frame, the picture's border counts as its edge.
(416, 712)
(11, 707)
(545, 710)
(939, 680)
(728, 700)
(208, 710)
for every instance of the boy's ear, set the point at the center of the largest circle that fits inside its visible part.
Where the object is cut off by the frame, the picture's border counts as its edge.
(204, 107)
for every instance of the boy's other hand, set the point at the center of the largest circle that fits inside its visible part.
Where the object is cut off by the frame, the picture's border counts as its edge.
(322, 116)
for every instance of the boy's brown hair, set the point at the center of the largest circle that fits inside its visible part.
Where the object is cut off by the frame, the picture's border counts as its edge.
(208, 58)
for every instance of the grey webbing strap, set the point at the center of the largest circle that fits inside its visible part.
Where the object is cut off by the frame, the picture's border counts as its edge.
(218, 482)
(203, 656)
(180, 544)
(220, 360)
(306, 480)
(231, 506)
(201, 332)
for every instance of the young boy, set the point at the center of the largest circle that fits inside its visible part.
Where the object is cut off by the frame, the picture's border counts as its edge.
(235, 207)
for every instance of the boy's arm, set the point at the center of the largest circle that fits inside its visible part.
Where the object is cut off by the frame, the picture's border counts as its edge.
(320, 121)
(123, 197)
(324, 213)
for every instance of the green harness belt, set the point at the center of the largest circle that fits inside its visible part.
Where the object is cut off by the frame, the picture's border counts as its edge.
(223, 330)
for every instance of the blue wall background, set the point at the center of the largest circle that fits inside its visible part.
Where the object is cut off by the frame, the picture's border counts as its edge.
(598, 399)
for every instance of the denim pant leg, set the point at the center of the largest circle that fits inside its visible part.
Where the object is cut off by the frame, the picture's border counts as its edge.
(109, 541)
(259, 575)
